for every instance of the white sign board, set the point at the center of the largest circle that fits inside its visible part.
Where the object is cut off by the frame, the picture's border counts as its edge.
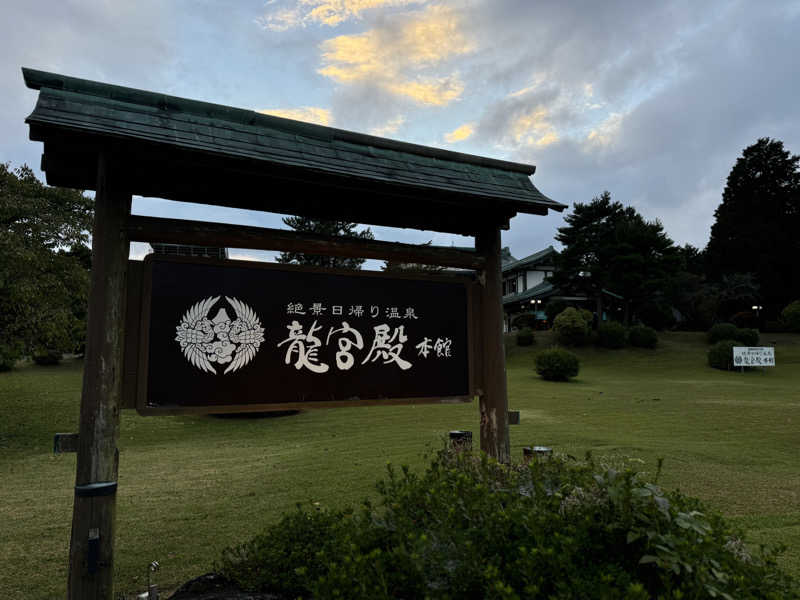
(758, 356)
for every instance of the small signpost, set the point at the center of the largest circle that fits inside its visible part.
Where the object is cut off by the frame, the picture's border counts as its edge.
(753, 356)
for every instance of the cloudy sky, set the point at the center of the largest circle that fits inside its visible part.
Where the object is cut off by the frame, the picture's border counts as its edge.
(653, 101)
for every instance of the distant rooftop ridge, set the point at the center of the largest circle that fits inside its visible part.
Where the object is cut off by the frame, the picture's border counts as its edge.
(530, 259)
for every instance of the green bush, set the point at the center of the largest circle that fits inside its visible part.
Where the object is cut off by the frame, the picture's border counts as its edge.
(729, 331)
(587, 315)
(525, 337)
(611, 335)
(747, 337)
(524, 321)
(722, 331)
(553, 309)
(791, 317)
(642, 337)
(720, 355)
(557, 364)
(468, 527)
(571, 328)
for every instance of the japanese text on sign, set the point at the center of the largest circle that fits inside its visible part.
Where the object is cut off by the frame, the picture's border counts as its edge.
(756, 356)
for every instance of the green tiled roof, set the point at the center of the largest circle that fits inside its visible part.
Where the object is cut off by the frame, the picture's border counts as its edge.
(529, 260)
(79, 105)
(541, 289)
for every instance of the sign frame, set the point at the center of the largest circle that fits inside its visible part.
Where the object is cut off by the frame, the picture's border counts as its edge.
(140, 295)
(746, 351)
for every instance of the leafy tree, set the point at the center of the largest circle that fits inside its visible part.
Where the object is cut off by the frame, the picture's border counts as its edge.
(44, 273)
(756, 224)
(608, 246)
(332, 228)
(693, 260)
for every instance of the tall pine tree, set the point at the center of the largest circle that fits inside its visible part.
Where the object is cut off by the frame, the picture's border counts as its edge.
(608, 246)
(323, 227)
(757, 226)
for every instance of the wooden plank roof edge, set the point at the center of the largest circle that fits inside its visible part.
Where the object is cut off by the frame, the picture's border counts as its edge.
(36, 80)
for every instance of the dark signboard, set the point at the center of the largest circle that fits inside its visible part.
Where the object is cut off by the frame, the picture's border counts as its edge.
(218, 335)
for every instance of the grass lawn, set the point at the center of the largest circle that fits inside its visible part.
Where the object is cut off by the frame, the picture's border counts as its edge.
(190, 486)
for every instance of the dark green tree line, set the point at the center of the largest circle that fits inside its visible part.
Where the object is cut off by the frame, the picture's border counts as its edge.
(756, 226)
(44, 267)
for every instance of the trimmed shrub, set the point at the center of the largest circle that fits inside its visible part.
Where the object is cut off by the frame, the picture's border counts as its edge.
(554, 308)
(642, 337)
(525, 337)
(571, 328)
(557, 364)
(729, 331)
(524, 321)
(587, 315)
(554, 528)
(722, 331)
(720, 355)
(611, 335)
(748, 337)
(656, 315)
(791, 317)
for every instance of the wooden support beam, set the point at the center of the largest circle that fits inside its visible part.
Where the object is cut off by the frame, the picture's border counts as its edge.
(91, 557)
(493, 397)
(201, 233)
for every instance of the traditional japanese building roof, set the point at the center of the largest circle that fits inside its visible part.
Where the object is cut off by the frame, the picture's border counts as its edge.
(148, 124)
(531, 260)
(542, 289)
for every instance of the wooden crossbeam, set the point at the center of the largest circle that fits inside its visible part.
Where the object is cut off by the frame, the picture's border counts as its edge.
(201, 233)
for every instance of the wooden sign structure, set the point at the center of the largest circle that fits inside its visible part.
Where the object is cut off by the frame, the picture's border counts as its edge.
(120, 141)
(234, 336)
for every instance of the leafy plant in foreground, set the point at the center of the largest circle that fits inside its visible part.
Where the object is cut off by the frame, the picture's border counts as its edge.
(469, 527)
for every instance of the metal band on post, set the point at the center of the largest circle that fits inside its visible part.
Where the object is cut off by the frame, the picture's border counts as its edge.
(99, 488)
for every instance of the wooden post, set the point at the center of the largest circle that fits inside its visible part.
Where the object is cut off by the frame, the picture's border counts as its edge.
(91, 555)
(494, 398)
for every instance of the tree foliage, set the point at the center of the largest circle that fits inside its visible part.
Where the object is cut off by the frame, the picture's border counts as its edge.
(44, 266)
(608, 246)
(395, 265)
(324, 227)
(468, 527)
(756, 225)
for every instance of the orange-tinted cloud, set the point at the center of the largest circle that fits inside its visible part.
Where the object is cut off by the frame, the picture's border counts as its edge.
(459, 134)
(404, 59)
(310, 114)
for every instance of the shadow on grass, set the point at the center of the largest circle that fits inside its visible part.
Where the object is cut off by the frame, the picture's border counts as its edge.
(272, 414)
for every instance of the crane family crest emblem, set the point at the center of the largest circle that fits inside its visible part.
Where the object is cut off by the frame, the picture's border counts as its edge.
(209, 342)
